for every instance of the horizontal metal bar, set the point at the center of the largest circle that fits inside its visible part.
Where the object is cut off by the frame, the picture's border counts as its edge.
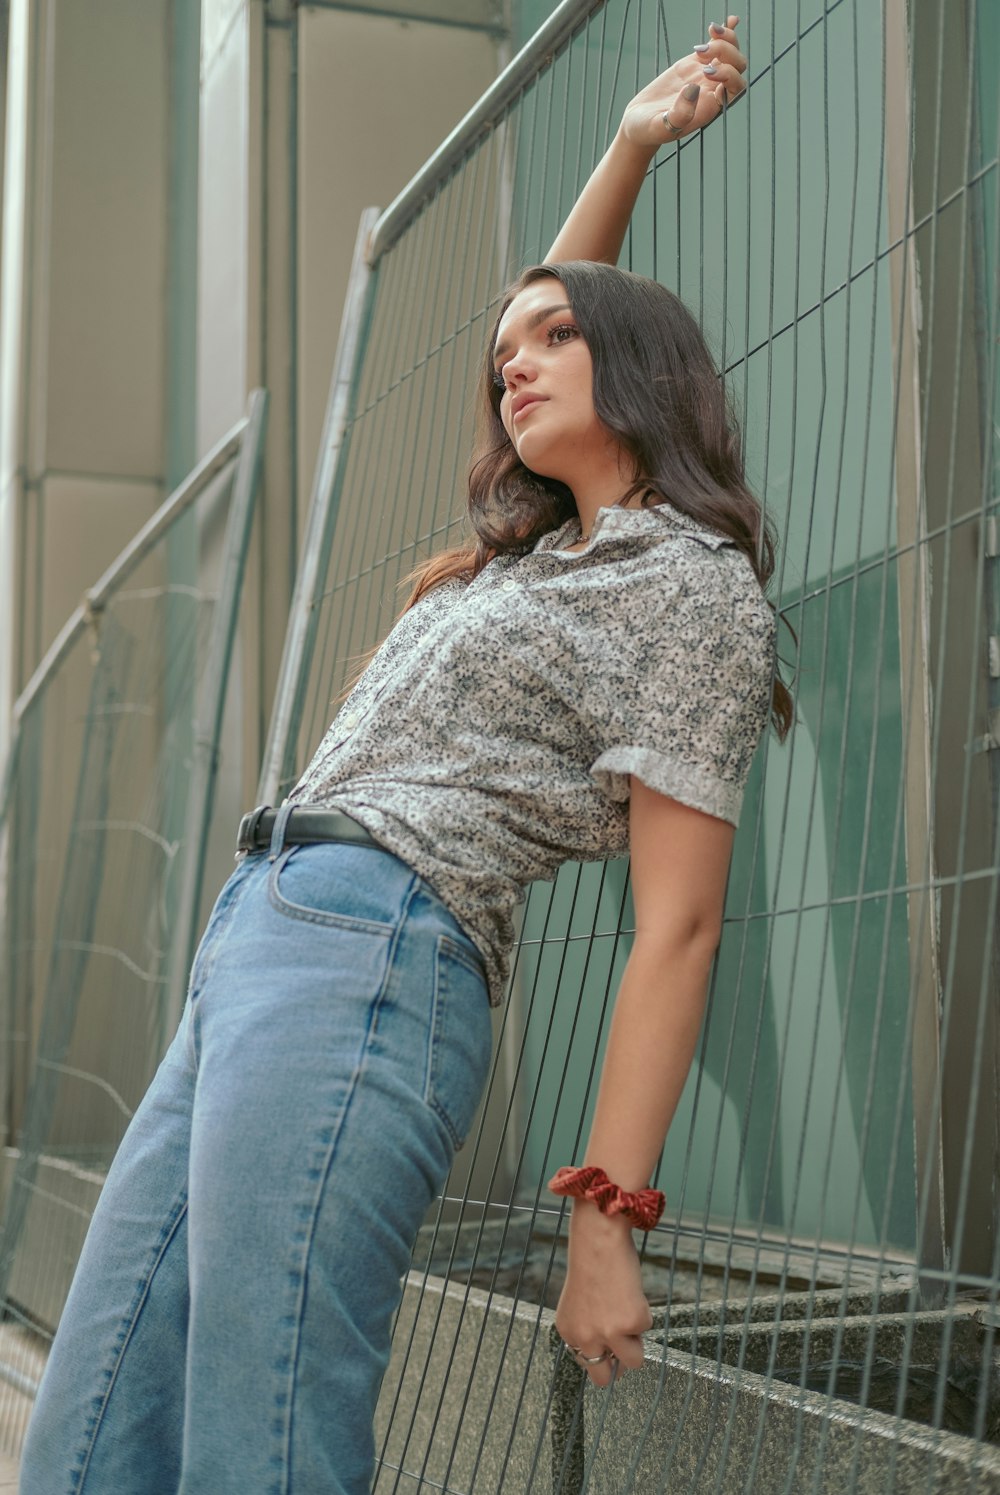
(744, 1246)
(525, 68)
(27, 1385)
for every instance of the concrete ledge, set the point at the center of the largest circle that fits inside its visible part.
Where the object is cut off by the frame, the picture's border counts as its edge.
(479, 1398)
(466, 1398)
(696, 1426)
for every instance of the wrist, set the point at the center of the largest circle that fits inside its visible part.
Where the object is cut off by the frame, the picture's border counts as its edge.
(589, 1222)
(631, 151)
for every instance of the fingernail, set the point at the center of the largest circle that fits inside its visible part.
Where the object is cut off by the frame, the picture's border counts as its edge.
(691, 92)
(703, 46)
(716, 26)
(711, 70)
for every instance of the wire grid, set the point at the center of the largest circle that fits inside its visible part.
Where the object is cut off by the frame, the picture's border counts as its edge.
(95, 868)
(832, 1240)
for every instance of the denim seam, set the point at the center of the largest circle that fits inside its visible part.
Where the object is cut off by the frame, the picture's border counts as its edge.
(463, 956)
(447, 947)
(207, 953)
(396, 931)
(283, 906)
(131, 1319)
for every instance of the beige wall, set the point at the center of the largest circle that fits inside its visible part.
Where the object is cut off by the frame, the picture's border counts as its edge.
(377, 97)
(82, 311)
(82, 357)
(307, 115)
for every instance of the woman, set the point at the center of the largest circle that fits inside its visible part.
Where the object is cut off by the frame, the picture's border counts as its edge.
(591, 677)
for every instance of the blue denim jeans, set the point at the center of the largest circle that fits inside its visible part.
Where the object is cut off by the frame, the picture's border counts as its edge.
(229, 1323)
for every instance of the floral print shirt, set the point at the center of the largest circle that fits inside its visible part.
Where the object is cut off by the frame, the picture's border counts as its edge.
(493, 735)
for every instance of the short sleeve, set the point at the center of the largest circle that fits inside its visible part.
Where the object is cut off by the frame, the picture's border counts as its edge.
(679, 689)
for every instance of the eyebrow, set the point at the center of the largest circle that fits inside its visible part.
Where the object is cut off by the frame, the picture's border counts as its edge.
(500, 350)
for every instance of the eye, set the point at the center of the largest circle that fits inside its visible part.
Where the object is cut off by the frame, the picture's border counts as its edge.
(499, 380)
(563, 332)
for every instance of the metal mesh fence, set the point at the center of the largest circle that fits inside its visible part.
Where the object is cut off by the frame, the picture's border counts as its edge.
(102, 867)
(826, 1279)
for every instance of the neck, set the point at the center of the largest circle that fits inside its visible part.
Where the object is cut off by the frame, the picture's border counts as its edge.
(601, 477)
(587, 510)
(592, 496)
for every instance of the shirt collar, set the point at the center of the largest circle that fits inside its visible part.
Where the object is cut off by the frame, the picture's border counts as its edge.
(612, 519)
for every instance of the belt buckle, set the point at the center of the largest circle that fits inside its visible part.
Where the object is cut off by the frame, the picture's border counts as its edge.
(248, 829)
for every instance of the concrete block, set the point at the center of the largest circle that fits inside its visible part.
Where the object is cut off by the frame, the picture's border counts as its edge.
(465, 1402)
(480, 1398)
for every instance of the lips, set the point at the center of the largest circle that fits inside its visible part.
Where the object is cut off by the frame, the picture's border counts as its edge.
(523, 402)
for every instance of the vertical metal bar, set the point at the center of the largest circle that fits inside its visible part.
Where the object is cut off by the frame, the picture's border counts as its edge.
(211, 705)
(914, 626)
(300, 640)
(363, 470)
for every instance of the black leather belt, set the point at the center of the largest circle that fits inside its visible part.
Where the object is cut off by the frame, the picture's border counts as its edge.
(306, 826)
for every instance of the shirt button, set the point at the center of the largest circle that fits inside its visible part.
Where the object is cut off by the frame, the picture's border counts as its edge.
(510, 585)
(349, 719)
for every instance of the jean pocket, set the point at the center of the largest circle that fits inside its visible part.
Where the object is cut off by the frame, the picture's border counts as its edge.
(461, 1039)
(326, 884)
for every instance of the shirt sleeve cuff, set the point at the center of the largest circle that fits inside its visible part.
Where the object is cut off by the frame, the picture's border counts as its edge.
(667, 775)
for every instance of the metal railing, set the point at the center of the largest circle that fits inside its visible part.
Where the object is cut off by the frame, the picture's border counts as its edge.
(104, 887)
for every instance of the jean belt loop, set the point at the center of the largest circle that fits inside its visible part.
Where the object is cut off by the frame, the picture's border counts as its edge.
(278, 831)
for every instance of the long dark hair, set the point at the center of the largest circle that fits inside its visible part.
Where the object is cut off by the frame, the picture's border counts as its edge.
(658, 392)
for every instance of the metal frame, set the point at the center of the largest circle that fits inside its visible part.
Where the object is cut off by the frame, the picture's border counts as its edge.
(960, 792)
(245, 442)
(95, 599)
(914, 593)
(209, 472)
(300, 638)
(930, 299)
(485, 115)
(212, 704)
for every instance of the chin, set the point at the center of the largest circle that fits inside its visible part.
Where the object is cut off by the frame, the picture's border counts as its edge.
(540, 467)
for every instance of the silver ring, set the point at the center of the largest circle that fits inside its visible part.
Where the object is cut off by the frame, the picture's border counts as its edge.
(590, 1359)
(674, 129)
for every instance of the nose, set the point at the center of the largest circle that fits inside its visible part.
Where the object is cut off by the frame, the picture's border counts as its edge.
(518, 368)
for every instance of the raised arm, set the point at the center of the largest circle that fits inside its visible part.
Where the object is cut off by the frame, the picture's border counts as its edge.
(692, 93)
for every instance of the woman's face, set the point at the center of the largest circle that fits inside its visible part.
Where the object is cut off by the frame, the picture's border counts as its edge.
(547, 375)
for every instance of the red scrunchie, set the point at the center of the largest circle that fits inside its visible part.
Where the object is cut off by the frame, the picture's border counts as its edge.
(643, 1208)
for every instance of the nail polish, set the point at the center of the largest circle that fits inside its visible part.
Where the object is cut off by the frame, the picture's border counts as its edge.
(691, 92)
(711, 70)
(703, 47)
